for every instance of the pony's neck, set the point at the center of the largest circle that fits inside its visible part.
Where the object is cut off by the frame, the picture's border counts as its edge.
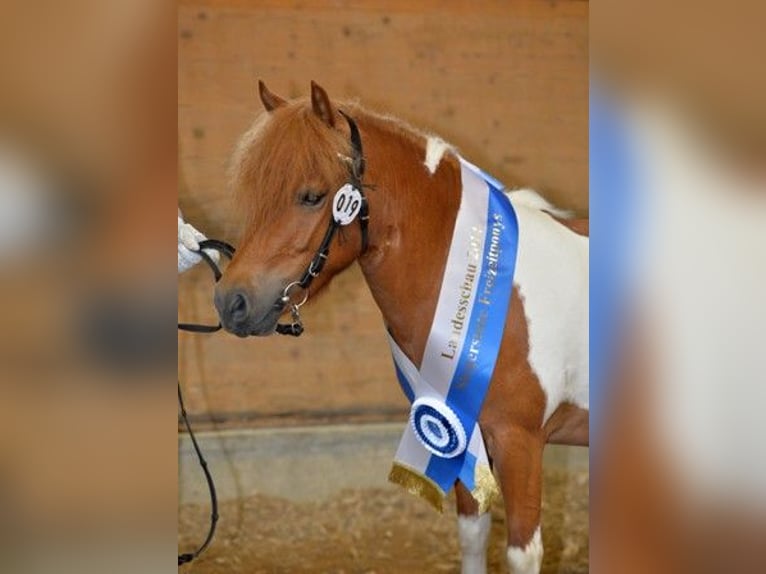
(412, 215)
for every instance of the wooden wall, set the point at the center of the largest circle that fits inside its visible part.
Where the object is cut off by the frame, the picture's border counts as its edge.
(507, 82)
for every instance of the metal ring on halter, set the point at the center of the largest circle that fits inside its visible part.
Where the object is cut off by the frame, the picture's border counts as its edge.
(286, 295)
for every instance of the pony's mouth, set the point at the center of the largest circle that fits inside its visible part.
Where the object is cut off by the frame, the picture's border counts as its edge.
(262, 327)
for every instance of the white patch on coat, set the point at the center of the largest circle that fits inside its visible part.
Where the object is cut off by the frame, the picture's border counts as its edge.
(529, 559)
(552, 279)
(435, 150)
(536, 201)
(473, 533)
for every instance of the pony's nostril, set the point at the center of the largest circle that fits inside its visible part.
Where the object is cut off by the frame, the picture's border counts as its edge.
(238, 308)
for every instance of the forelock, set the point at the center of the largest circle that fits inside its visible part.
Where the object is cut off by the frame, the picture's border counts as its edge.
(282, 152)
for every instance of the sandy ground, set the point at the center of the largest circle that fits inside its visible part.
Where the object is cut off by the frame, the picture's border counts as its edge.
(374, 530)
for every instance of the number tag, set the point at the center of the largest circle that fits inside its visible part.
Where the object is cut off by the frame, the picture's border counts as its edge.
(346, 204)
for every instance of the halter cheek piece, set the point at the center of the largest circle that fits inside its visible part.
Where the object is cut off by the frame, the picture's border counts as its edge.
(356, 172)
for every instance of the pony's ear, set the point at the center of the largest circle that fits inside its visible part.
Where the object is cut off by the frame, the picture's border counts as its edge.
(320, 102)
(270, 101)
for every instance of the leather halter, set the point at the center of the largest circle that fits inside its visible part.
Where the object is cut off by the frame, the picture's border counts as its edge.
(355, 174)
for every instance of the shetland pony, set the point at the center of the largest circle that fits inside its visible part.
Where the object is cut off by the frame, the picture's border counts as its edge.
(286, 169)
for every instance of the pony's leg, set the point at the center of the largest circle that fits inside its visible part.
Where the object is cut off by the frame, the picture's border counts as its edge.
(518, 457)
(473, 532)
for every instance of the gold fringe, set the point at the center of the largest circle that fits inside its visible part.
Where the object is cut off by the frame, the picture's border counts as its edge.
(416, 483)
(485, 490)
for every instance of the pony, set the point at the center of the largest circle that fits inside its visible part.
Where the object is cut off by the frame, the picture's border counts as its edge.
(285, 170)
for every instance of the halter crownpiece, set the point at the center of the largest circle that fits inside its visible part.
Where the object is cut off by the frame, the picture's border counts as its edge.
(349, 204)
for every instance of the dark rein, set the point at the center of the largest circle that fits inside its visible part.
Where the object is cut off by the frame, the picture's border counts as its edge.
(294, 329)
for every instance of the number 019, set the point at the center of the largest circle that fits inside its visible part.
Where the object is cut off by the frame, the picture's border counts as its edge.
(346, 204)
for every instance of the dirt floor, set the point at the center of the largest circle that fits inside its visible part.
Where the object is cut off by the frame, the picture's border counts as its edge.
(375, 531)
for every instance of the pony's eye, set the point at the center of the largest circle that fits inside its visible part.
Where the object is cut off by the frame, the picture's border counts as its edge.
(311, 198)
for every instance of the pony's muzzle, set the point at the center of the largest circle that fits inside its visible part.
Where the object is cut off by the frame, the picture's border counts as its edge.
(243, 313)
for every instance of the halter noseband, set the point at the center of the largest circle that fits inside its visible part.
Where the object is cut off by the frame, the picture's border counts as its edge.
(317, 263)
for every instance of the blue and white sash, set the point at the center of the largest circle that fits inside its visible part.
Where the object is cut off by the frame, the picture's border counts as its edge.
(443, 442)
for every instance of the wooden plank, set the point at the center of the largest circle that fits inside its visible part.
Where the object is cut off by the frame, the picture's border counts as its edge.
(506, 83)
(393, 6)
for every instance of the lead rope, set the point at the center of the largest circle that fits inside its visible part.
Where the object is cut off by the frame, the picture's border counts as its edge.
(189, 556)
(228, 251)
